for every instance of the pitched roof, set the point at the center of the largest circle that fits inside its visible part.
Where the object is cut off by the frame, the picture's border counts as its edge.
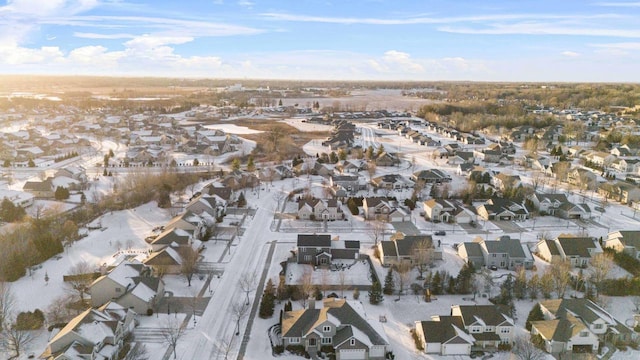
(444, 330)
(299, 323)
(322, 240)
(577, 246)
(505, 245)
(489, 315)
(630, 238)
(473, 249)
(559, 329)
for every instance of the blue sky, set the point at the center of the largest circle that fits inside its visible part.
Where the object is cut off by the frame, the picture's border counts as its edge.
(488, 40)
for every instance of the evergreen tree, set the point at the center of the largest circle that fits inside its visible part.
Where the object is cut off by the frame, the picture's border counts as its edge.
(342, 155)
(375, 294)
(356, 294)
(436, 284)
(31, 164)
(196, 162)
(389, 285)
(61, 193)
(534, 315)
(235, 164)
(370, 152)
(280, 102)
(267, 304)
(333, 157)
(242, 202)
(6, 163)
(464, 279)
(251, 166)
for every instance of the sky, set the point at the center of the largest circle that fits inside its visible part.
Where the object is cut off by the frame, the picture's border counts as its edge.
(488, 40)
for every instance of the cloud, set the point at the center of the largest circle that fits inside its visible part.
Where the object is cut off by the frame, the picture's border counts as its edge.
(570, 54)
(430, 20)
(402, 60)
(102, 36)
(619, 4)
(246, 3)
(539, 28)
(619, 46)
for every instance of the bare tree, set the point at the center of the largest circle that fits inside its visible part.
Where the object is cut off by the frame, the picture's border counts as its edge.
(423, 256)
(171, 332)
(306, 286)
(560, 272)
(402, 276)
(524, 349)
(376, 231)
(13, 340)
(636, 303)
(80, 277)
(601, 265)
(248, 283)
(59, 311)
(371, 169)
(342, 278)
(239, 310)
(224, 346)
(7, 302)
(189, 262)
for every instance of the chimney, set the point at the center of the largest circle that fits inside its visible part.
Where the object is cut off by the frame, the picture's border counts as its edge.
(312, 303)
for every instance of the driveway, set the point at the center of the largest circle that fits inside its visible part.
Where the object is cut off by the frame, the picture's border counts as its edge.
(507, 226)
(406, 227)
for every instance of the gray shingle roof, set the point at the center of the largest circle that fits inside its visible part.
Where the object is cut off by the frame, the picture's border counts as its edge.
(577, 246)
(314, 240)
(441, 331)
(489, 314)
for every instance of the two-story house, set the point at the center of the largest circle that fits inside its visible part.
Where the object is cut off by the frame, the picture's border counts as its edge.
(94, 334)
(488, 324)
(578, 326)
(318, 209)
(320, 249)
(376, 207)
(403, 248)
(131, 285)
(504, 253)
(449, 211)
(335, 323)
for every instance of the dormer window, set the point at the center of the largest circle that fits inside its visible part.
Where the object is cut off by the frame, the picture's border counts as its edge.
(326, 329)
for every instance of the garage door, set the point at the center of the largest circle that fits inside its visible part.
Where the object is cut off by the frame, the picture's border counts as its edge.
(348, 354)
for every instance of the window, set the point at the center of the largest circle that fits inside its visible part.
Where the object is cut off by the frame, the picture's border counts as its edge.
(584, 334)
(504, 255)
(294, 340)
(118, 290)
(505, 330)
(352, 342)
(476, 329)
(598, 326)
(493, 255)
(326, 329)
(312, 342)
(325, 341)
(307, 258)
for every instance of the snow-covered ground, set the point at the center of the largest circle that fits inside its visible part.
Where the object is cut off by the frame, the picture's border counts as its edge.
(232, 129)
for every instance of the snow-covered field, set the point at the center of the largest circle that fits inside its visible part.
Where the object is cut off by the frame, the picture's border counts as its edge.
(232, 129)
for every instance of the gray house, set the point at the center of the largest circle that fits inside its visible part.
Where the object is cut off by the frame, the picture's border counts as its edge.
(504, 253)
(320, 249)
(335, 323)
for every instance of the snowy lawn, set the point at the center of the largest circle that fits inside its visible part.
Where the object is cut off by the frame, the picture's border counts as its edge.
(354, 273)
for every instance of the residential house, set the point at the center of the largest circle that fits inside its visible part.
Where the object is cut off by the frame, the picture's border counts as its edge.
(432, 176)
(593, 316)
(190, 222)
(171, 237)
(168, 260)
(488, 324)
(392, 182)
(387, 159)
(444, 335)
(504, 253)
(461, 157)
(94, 334)
(578, 326)
(318, 209)
(402, 248)
(376, 207)
(351, 166)
(213, 205)
(335, 323)
(502, 181)
(620, 191)
(627, 241)
(351, 183)
(577, 250)
(321, 250)
(582, 178)
(40, 189)
(449, 211)
(502, 209)
(131, 285)
(559, 205)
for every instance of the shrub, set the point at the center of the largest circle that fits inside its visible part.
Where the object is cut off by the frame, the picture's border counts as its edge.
(416, 340)
(149, 312)
(30, 320)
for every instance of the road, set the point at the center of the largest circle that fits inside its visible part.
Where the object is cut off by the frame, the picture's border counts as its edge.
(217, 323)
